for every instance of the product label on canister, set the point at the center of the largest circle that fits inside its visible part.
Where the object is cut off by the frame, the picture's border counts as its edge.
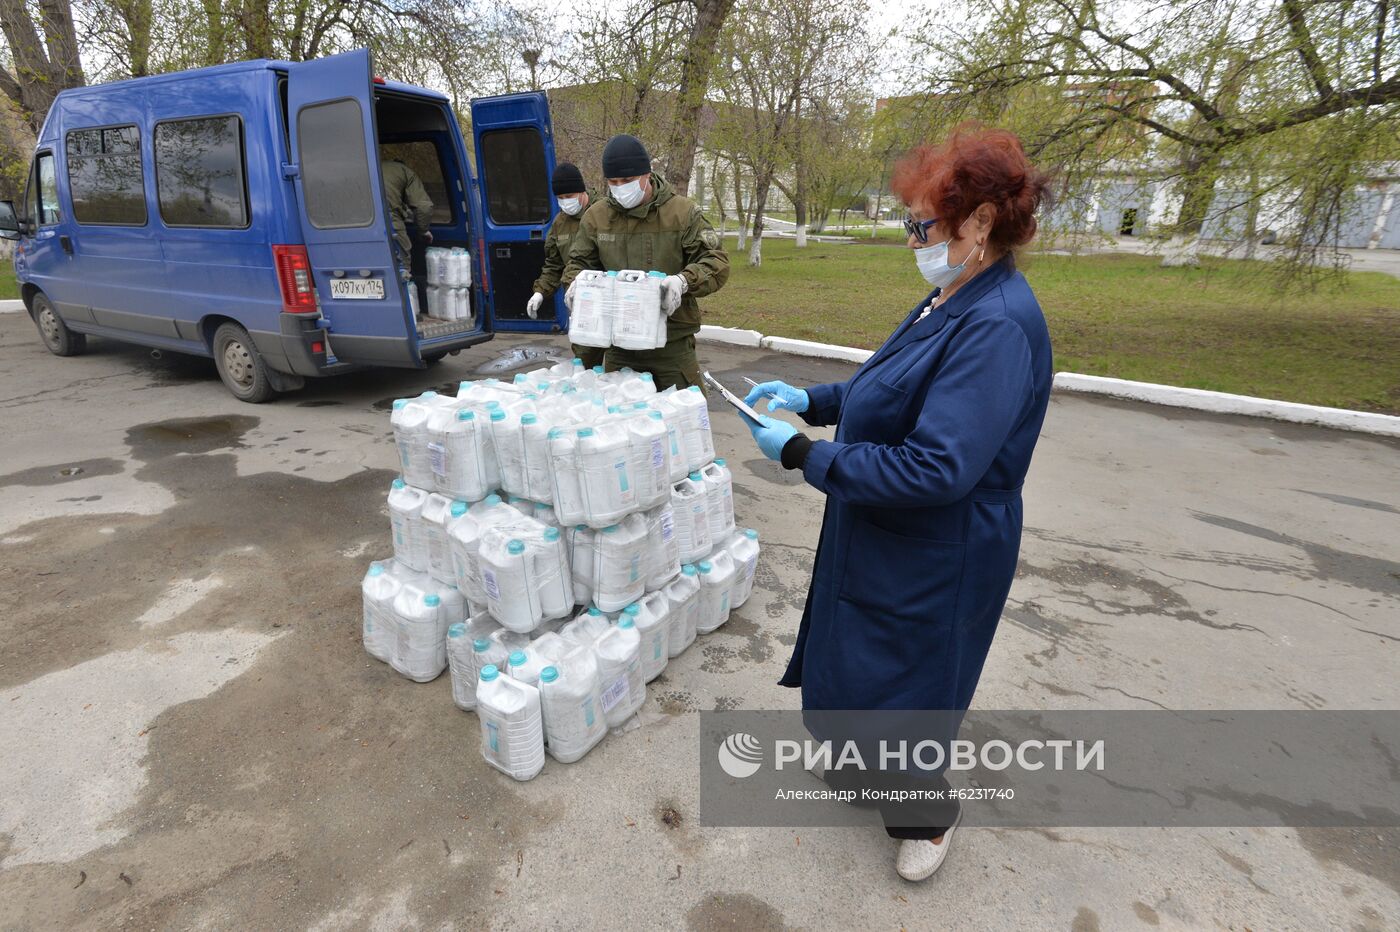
(621, 467)
(704, 419)
(493, 738)
(656, 647)
(615, 693)
(588, 717)
(668, 526)
(439, 458)
(658, 454)
(633, 567)
(493, 589)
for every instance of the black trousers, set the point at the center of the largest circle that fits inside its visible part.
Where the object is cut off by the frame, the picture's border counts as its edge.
(906, 819)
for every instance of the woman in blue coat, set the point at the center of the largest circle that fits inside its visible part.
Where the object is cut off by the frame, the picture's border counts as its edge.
(934, 436)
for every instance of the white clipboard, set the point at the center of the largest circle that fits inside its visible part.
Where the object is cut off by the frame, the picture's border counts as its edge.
(733, 399)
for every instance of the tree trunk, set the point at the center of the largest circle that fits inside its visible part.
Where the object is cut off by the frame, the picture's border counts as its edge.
(1197, 191)
(739, 207)
(760, 201)
(215, 30)
(137, 16)
(696, 63)
(40, 67)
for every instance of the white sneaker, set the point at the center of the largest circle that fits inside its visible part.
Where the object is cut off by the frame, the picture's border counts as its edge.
(919, 858)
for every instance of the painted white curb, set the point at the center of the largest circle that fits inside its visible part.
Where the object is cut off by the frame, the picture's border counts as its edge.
(820, 350)
(730, 335)
(1197, 399)
(11, 304)
(1383, 425)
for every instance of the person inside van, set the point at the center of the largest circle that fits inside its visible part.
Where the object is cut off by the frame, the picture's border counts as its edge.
(408, 200)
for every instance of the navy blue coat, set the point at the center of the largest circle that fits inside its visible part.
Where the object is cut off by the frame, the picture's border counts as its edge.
(919, 542)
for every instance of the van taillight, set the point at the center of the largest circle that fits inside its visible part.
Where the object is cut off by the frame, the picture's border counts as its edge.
(294, 278)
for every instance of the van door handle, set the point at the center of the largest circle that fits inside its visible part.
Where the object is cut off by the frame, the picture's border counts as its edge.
(67, 243)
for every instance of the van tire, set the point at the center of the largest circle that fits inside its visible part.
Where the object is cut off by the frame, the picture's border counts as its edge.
(53, 331)
(241, 366)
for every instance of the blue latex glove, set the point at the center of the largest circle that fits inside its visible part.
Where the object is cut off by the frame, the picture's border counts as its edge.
(772, 435)
(784, 396)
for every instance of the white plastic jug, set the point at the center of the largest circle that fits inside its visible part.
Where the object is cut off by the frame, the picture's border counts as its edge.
(590, 322)
(510, 454)
(652, 617)
(459, 665)
(716, 583)
(620, 672)
(621, 571)
(410, 423)
(462, 454)
(696, 439)
(564, 475)
(420, 651)
(464, 542)
(512, 727)
(683, 594)
(379, 632)
(663, 560)
(690, 501)
(587, 627)
(553, 576)
(743, 550)
(434, 257)
(604, 474)
(534, 451)
(650, 458)
(583, 562)
(525, 665)
(437, 510)
(550, 646)
(639, 324)
(406, 520)
(571, 700)
(719, 490)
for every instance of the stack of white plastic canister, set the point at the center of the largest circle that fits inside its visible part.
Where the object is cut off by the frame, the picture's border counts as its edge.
(449, 283)
(558, 539)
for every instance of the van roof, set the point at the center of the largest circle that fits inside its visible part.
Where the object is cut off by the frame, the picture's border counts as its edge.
(257, 64)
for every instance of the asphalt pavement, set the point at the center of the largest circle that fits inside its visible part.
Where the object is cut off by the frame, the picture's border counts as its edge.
(194, 737)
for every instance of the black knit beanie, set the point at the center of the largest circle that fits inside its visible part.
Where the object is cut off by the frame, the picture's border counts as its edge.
(625, 157)
(567, 179)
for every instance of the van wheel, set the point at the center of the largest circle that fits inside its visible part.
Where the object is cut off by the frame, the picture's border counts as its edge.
(240, 365)
(57, 337)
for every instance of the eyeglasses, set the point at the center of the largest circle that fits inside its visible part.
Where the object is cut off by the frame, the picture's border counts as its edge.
(918, 228)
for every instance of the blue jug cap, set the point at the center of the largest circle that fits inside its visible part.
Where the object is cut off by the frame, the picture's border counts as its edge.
(397, 484)
(580, 527)
(750, 533)
(656, 415)
(492, 499)
(481, 645)
(517, 658)
(493, 380)
(586, 432)
(695, 388)
(610, 528)
(625, 623)
(632, 609)
(612, 274)
(497, 414)
(466, 415)
(542, 386)
(457, 630)
(465, 386)
(696, 477)
(515, 547)
(598, 369)
(428, 394)
(400, 403)
(519, 377)
(459, 509)
(688, 569)
(493, 404)
(719, 462)
(704, 566)
(555, 433)
(655, 274)
(549, 675)
(551, 534)
(595, 611)
(489, 673)
(578, 360)
(613, 409)
(648, 377)
(375, 569)
(432, 601)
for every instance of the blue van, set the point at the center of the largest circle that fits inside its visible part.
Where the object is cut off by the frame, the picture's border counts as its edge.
(238, 212)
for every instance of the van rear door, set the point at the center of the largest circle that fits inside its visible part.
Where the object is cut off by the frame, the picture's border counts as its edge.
(514, 160)
(340, 195)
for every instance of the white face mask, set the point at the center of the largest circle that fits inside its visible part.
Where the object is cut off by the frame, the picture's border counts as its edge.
(933, 263)
(629, 195)
(570, 205)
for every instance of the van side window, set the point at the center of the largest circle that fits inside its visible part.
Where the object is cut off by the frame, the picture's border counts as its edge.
(42, 199)
(200, 174)
(104, 176)
(517, 181)
(334, 165)
(421, 155)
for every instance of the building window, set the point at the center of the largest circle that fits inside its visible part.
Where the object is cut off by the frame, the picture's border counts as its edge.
(105, 179)
(200, 173)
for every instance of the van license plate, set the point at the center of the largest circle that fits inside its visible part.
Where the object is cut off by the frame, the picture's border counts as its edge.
(363, 289)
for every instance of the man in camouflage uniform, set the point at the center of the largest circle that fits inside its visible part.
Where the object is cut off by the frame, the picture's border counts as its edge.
(643, 224)
(408, 200)
(572, 196)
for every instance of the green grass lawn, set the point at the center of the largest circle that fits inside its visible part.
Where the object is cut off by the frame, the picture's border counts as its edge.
(1223, 326)
(9, 288)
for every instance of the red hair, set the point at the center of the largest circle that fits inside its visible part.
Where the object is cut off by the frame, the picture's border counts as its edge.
(974, 166)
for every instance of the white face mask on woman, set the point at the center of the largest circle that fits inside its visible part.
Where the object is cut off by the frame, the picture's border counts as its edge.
(629, 195)
(570, 205)
(933, 263)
